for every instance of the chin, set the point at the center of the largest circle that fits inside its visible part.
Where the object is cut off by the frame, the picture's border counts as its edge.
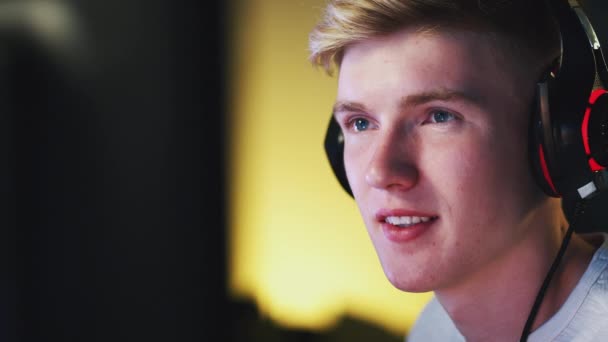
(411, 281)
(415, 272)
(412, 288)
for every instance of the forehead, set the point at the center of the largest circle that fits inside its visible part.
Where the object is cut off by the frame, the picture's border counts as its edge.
(454, 59)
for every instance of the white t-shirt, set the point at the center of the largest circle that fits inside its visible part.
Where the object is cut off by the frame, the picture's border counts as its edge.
(582, 318)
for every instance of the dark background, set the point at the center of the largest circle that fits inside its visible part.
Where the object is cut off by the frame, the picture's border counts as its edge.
(113, 171)
(113, 176)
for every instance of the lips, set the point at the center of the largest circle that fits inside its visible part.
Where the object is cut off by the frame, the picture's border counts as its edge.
(400, 225)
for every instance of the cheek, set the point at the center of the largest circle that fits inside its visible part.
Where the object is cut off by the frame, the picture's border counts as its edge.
(466, 174)
(457, 163)
(354, 165)
(483, 184)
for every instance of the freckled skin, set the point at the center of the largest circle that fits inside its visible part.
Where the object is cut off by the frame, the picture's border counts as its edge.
(473, 175)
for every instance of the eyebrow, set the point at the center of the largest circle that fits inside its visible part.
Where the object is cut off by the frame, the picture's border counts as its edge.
(441, 94)
(347, 106)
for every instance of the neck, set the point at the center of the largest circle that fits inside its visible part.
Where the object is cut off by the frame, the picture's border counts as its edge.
(496, 300)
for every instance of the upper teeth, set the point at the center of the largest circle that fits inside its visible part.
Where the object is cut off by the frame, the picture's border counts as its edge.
(401, 220)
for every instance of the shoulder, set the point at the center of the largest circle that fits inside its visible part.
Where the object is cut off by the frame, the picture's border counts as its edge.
(590, 321)
(596, 280)
(433, 324)
(584, 315)
(596, 275)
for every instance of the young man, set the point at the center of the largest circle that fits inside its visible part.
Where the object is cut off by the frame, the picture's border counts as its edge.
(434, 102)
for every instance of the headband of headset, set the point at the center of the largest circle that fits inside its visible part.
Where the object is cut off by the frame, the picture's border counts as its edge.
(569, 126)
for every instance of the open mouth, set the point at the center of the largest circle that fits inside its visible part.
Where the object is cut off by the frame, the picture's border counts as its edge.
(408, 221)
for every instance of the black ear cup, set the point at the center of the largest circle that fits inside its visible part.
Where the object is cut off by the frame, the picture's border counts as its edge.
(560, 162)
(566, 151)
(334, 149)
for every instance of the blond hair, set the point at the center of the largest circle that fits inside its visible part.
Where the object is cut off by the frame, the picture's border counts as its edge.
(526, 24)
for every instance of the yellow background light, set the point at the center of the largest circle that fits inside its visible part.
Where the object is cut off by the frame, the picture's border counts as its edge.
(298, 247)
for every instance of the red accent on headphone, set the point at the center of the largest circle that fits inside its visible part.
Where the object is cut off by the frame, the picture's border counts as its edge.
(585, 128)
(543, 165)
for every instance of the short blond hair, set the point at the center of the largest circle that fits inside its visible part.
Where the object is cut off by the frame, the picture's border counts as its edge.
(526, 24)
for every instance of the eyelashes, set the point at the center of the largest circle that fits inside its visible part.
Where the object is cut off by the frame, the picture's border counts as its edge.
(358, 123)
(441, 116)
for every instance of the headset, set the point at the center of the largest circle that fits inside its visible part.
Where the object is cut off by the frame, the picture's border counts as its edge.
(568, 132)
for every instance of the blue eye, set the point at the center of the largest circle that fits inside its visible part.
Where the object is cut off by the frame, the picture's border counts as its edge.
(360, 124)
(441, 116)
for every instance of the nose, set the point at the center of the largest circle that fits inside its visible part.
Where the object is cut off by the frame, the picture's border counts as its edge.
(392, 165)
